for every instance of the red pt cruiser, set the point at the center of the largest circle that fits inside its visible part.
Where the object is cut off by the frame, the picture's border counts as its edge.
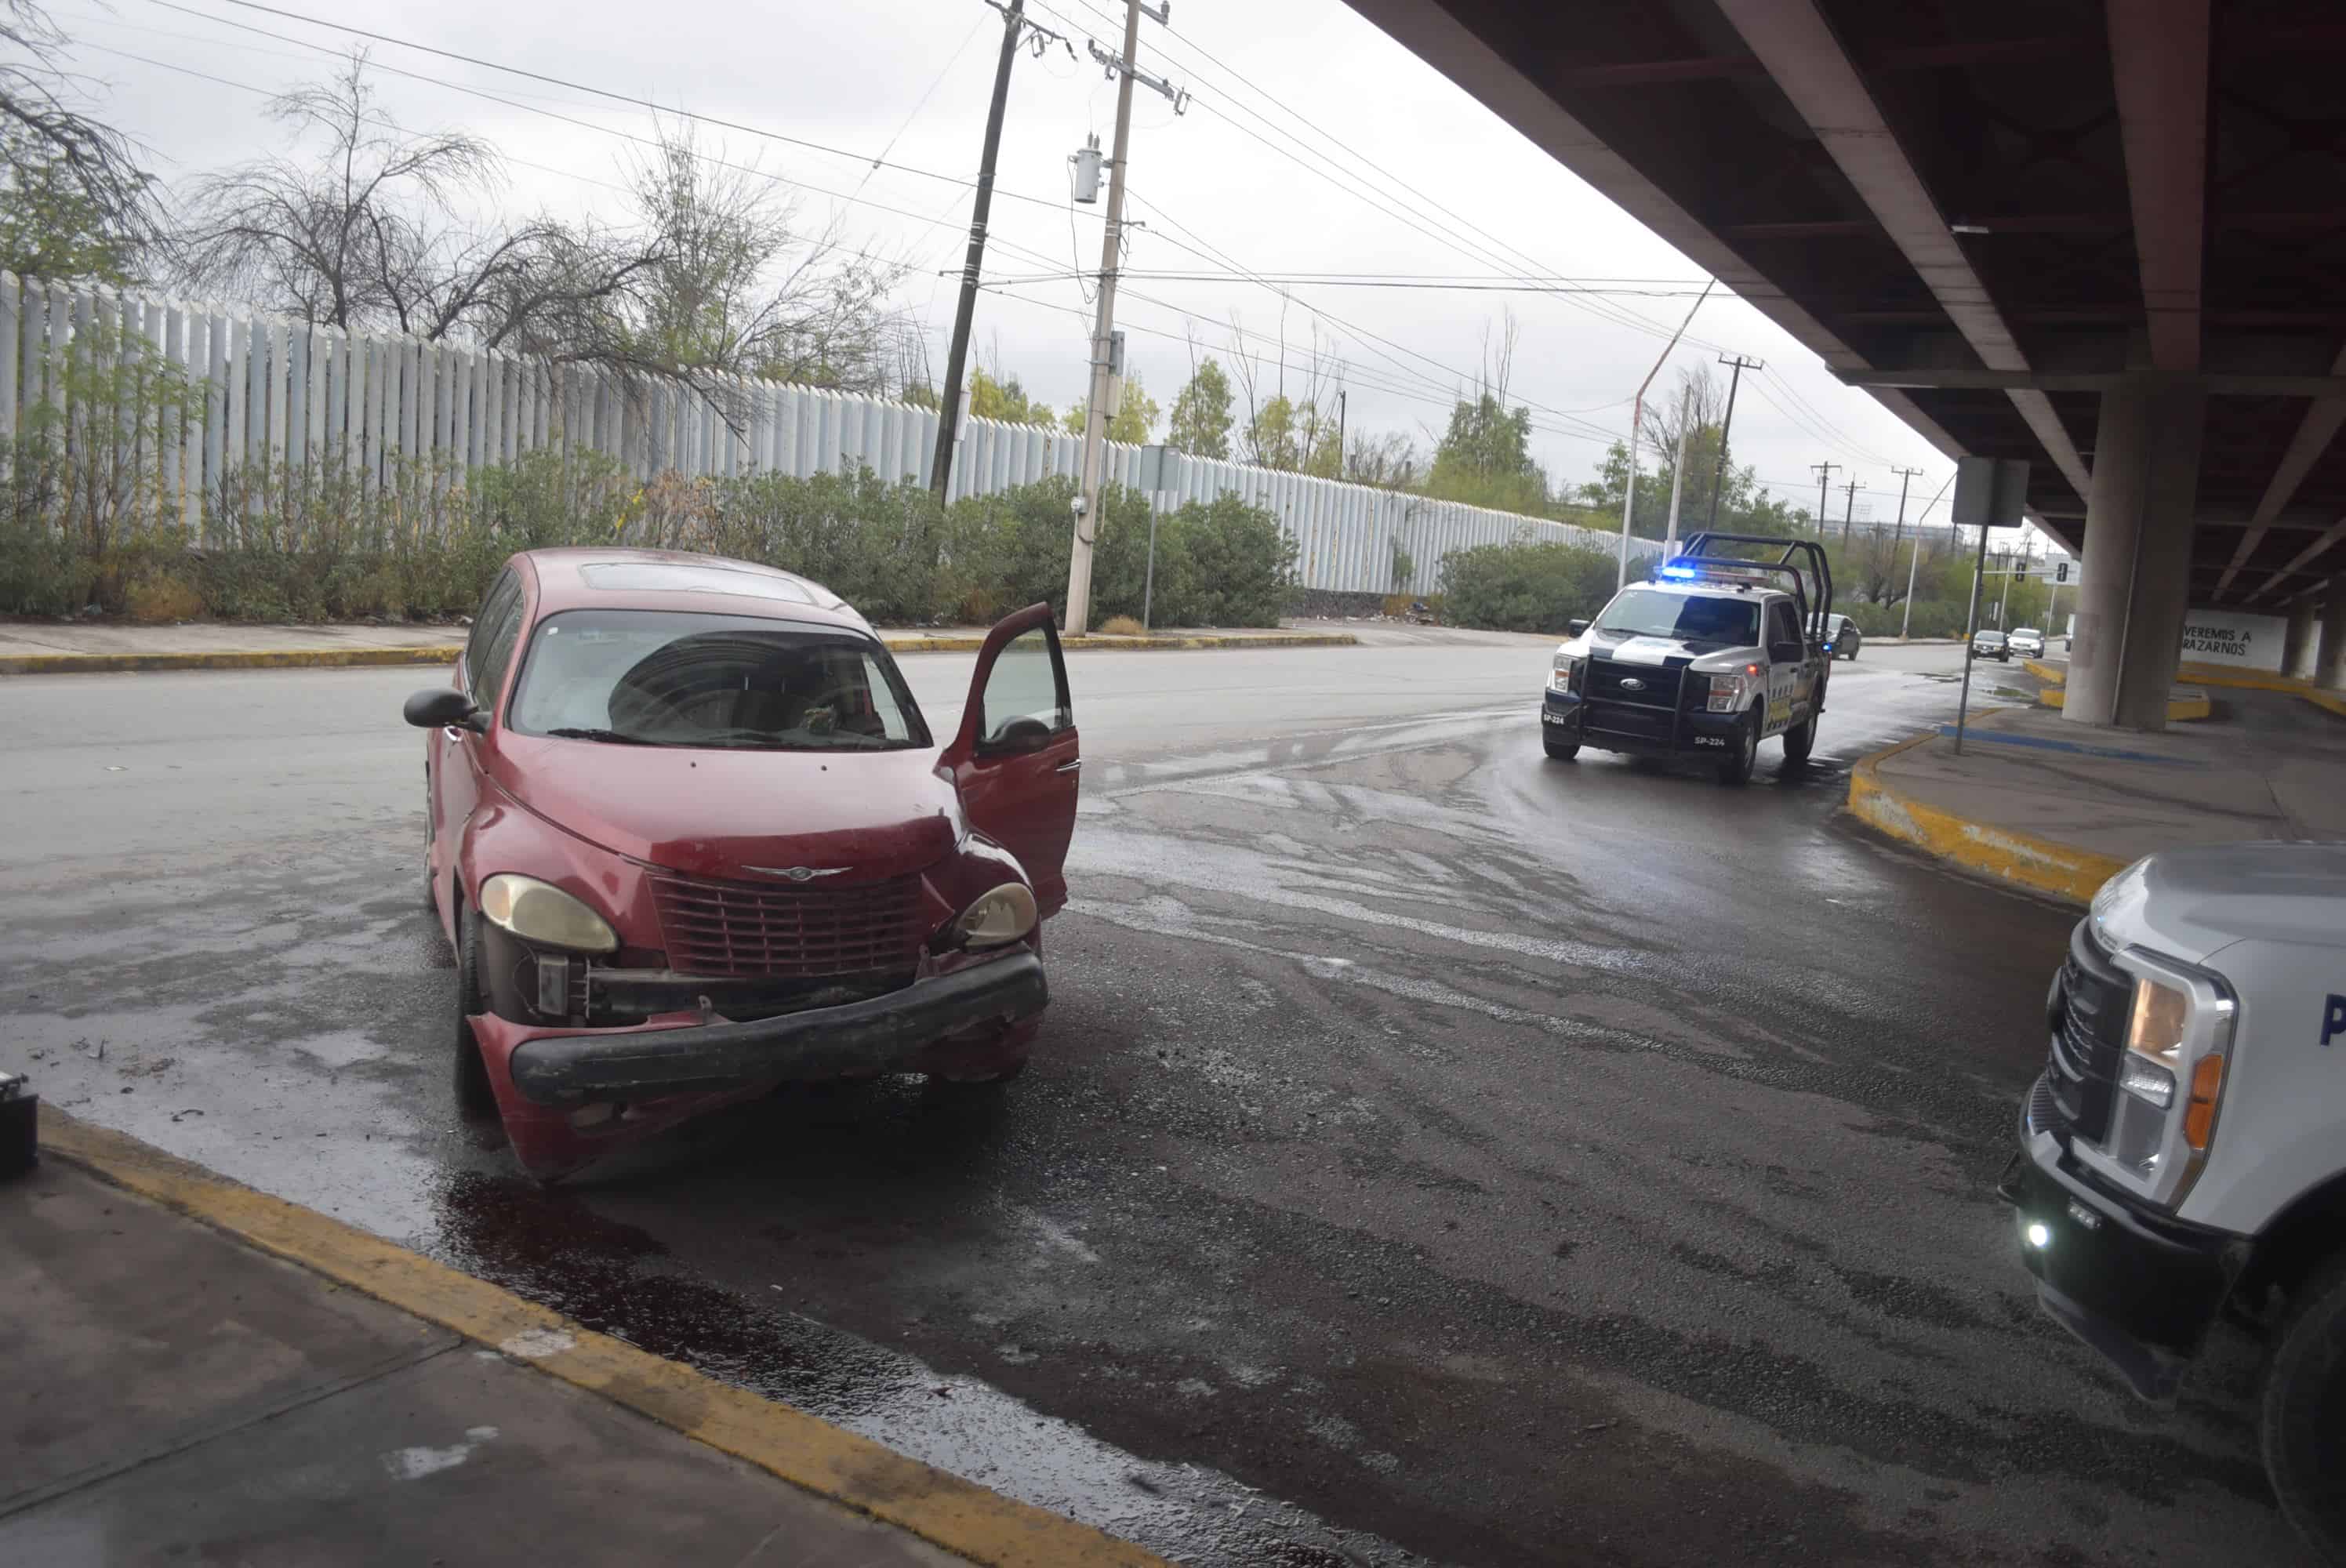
(691, 839)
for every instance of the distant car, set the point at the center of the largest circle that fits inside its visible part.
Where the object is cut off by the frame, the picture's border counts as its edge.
(691, 838)
(1992, 645)
(2027, 642)
(1842, 639)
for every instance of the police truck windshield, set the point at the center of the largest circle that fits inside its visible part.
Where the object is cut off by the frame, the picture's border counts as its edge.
(1694, 618)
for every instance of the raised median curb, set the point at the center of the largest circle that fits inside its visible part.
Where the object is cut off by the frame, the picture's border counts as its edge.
(813, 1455)
(343, 659)
(225, 658)
(1999, 854)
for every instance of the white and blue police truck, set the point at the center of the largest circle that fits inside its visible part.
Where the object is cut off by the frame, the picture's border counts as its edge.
(2182, 1160)
(1717, 652)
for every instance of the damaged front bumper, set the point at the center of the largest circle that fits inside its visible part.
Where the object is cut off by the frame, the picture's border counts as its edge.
(676, 1056)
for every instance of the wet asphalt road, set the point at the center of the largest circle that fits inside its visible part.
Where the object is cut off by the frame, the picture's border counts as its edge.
(1433, 1151)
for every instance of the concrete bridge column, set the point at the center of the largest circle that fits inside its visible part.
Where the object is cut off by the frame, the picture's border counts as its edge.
(2298, 639)
(2138, 561)
(2330, 658)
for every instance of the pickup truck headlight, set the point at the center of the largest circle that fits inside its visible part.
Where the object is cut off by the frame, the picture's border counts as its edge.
(2178, 1036)
(1560, 677)
(997, 917)
(544, 914)
(1728, 691)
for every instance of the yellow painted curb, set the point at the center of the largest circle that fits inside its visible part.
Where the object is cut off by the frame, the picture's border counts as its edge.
(2000, 853)
(331, 658)
(275, 659)
(2180, 709)
(812, 1454)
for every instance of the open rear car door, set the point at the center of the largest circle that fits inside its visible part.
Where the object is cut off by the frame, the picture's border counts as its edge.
(1016, 759)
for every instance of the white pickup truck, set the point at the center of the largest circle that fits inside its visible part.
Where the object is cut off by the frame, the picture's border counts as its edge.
(2184, 1155)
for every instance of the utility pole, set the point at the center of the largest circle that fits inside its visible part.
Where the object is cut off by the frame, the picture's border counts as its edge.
(1849, 511)
(1341, 395)
(1905, 477)
(1824, 472)
(1677, 488)
(1013, 26)
(1906, 624)
(2004, 598)
(1636, 421)
(1718, 467)
(1124, 68)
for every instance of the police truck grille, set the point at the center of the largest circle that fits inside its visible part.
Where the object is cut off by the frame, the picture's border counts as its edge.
(734, 929)
(2089, 1035)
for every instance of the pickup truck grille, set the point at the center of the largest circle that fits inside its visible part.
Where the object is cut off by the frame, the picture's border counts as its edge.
(1634, 699)
(2088, 1026)
(733, 929)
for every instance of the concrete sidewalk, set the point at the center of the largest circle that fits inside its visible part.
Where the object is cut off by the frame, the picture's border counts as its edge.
(2059, 808)
(59, 648)
(178, 1395)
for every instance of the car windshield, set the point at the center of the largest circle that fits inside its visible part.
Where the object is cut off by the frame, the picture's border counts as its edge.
(665, 677)
(1991, 636)
(1689, 617)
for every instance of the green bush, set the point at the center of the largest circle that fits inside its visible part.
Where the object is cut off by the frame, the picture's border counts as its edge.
(318, 544)
(1530, 586)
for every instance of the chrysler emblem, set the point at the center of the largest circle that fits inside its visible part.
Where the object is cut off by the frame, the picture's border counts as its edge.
(797, 873)
(1631, 684)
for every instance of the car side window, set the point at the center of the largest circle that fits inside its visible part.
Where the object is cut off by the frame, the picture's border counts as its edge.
(1781, 627)
(1025, 684)
(504, 594)
(504, 637)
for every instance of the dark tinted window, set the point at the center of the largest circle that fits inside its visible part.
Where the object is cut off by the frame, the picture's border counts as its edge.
(1649, 612)
(666, 677)
(504, 594)
(1781, 626)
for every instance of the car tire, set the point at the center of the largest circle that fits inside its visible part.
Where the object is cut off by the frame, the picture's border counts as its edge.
(2302, 1423)
(475, 1100)
(1801, 740)
(1560, 750)
(1737, 769)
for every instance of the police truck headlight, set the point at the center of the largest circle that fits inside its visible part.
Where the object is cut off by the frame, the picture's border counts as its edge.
(1728, 690)
(2179, 1038)
(1560, 677)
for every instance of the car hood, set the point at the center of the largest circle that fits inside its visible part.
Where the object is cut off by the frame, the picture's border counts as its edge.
(2192, 902)
(1655, 651)
(725, 813)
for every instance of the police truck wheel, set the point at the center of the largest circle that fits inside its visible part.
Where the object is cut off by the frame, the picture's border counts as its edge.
(1801, 740)
(2304, 1423)
(1562, 750)
(475, 1101)
(1736, 768)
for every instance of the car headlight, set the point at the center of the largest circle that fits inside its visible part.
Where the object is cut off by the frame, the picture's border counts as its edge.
(1560, 677)
(2157, 1026)
(541, 913)
(2177, 1043)
(1728, 690)
(1000, 916)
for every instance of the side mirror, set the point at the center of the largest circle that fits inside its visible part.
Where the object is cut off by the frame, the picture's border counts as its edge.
(443, 705)
(1019, 737)
(1575, 628)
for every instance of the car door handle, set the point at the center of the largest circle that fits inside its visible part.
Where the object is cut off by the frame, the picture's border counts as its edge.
(1074, 767)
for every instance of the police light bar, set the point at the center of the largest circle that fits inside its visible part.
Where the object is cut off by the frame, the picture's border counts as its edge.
(1687, 569)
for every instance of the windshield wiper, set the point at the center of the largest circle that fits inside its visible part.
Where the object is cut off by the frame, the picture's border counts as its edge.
(615, 737)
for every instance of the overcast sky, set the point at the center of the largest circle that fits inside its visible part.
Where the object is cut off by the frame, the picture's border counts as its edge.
(1305, 120)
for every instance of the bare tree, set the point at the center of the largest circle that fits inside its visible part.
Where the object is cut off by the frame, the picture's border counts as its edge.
(1294, 432)
(40, 125)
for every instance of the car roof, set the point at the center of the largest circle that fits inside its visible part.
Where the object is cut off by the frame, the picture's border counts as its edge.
(1698, 590)
(589, 578)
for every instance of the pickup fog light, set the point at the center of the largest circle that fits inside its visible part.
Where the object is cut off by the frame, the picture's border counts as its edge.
(1002, 915)
(540, 913)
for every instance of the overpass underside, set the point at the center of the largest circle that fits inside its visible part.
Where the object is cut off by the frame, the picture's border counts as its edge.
(2108, 238)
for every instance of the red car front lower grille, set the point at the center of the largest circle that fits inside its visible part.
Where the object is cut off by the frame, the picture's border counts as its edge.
(731, 929)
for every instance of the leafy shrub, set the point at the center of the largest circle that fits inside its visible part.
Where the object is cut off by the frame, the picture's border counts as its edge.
(1528, 586)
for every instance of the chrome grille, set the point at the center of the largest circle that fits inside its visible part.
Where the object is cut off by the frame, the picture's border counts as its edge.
(734, 929)
(2088, 1035)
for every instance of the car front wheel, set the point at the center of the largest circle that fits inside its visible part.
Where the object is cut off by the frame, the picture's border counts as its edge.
(475, 1100)
(1736, 768)
(1561, 750)
(2303, 1421)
